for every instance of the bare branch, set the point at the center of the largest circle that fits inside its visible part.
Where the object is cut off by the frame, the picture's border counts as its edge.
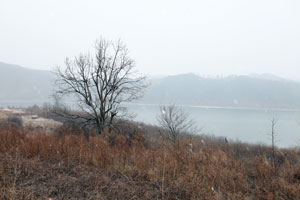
(103, 84)
(175, 122)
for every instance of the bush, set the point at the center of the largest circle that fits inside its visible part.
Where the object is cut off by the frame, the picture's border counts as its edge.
(15, 120)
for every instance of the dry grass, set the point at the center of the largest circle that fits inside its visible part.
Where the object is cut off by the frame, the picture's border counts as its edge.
(68, 166)
(3, 116)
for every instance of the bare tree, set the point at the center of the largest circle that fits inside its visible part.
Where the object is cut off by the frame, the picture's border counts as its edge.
(175, 121)
(273, 138)
(101, 83)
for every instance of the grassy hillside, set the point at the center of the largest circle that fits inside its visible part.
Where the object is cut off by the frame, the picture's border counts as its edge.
(67, 166)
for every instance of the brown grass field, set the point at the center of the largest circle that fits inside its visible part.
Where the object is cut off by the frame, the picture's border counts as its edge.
(65, 165)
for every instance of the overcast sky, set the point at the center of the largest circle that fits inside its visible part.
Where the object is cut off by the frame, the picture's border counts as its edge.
(212, 37)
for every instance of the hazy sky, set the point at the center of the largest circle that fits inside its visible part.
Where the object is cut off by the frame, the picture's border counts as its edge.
(216, 37)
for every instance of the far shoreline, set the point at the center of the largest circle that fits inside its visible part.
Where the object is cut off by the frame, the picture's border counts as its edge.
(26, 104)
(266, 109)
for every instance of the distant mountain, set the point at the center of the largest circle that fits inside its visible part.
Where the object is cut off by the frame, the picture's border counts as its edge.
(234, 91)
(19, 84)
(266, 76)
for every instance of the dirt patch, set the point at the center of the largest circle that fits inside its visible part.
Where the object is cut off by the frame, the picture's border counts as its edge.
(12, 111)
(35, 122)
(31, 122)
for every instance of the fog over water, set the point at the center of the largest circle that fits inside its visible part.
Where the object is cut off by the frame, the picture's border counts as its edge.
(211, 38)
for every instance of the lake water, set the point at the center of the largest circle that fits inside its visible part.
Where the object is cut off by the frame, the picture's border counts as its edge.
(244, 124)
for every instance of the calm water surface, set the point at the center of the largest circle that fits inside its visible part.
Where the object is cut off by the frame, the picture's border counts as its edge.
(246, 125)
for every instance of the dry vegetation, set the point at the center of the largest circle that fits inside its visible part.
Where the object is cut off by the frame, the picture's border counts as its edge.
(68, 166)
